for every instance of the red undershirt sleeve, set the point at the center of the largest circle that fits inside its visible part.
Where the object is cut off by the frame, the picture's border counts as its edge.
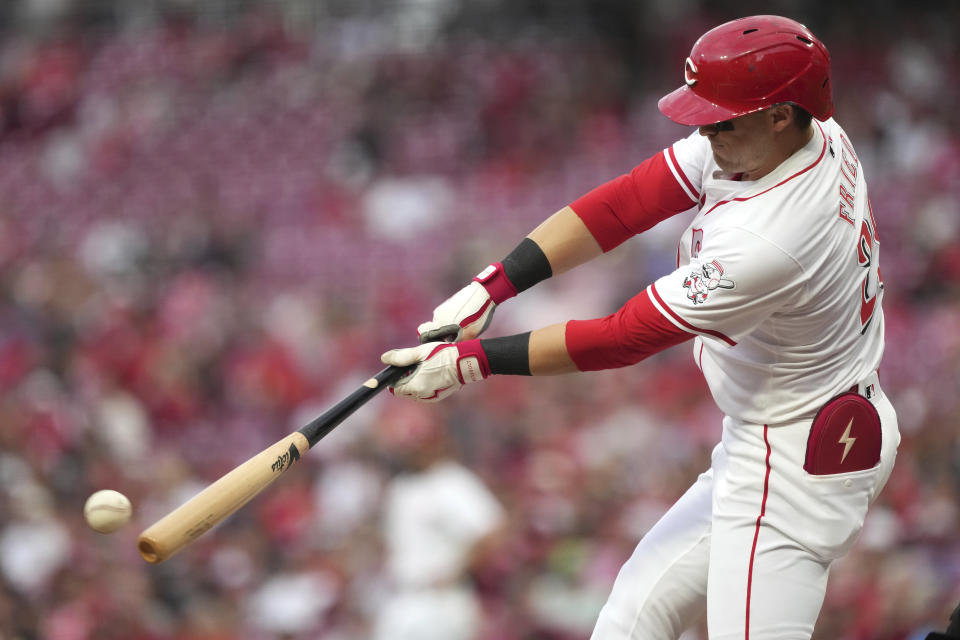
(635, 332)
(632, 203)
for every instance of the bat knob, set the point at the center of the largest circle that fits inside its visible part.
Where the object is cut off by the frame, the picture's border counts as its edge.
(148, 550)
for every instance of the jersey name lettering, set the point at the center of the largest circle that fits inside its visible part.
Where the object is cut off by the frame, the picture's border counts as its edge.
(848, 169)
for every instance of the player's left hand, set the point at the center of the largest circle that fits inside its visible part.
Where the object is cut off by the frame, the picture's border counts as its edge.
(444, 368)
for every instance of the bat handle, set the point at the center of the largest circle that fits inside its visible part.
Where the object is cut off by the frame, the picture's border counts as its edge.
(446, 333)
(388, 376)
(328, 421)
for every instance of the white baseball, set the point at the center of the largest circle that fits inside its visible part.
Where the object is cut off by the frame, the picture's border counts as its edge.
(107, 510)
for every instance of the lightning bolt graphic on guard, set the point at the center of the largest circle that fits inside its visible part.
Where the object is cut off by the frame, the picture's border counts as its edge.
(846, 441)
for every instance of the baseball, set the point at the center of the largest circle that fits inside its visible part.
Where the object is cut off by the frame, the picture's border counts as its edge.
(107, 510)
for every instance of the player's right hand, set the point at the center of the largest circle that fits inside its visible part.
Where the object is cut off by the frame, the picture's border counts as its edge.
(463, 316)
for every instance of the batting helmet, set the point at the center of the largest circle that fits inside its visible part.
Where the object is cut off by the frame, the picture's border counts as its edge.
(750, 64)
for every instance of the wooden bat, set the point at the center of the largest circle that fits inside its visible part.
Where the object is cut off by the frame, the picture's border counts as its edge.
(236, 488)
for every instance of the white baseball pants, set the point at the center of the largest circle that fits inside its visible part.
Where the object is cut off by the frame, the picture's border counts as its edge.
(750, 542)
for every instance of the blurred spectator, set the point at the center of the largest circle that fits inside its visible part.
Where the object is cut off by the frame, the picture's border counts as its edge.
(438, 516)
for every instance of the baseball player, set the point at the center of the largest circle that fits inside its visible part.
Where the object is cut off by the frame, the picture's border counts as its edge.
(779, 289)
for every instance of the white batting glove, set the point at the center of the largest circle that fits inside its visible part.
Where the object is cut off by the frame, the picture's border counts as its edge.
(444, 368)
(467, 313)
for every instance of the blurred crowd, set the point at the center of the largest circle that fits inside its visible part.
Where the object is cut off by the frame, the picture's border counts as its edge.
(211, 228)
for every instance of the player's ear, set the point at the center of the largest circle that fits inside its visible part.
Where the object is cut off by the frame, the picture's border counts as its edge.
(782, 115)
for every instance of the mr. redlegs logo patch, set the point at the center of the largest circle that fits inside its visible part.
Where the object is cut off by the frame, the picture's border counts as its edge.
(709, 278)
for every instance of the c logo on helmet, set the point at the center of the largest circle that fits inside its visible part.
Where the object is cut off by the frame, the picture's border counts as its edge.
(689, 72)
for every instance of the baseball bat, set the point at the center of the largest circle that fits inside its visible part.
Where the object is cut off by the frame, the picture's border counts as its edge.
(953, 630)
(236, 488)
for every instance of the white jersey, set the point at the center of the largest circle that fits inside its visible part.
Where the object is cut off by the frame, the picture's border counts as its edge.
(432, 520)
(778, 277)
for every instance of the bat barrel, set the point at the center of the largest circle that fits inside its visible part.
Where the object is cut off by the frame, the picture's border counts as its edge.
(200, 513)
(183, 525)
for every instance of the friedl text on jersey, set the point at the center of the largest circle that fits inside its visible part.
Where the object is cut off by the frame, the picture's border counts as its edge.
(849, 165)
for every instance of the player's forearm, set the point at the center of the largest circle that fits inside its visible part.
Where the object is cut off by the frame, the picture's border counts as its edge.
(548, 351)
(633, 333)
(540, 353)
(565, 240)
(558, 244)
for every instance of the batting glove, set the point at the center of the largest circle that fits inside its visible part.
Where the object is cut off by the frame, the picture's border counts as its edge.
(444, 368)
(467, 313)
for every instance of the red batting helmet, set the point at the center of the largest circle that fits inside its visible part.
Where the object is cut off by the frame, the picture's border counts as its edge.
(750, 64)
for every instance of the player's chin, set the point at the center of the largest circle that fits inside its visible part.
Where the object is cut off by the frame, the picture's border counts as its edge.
(725, 163)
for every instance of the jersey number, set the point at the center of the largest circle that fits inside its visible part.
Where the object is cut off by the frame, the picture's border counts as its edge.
(868, 250)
